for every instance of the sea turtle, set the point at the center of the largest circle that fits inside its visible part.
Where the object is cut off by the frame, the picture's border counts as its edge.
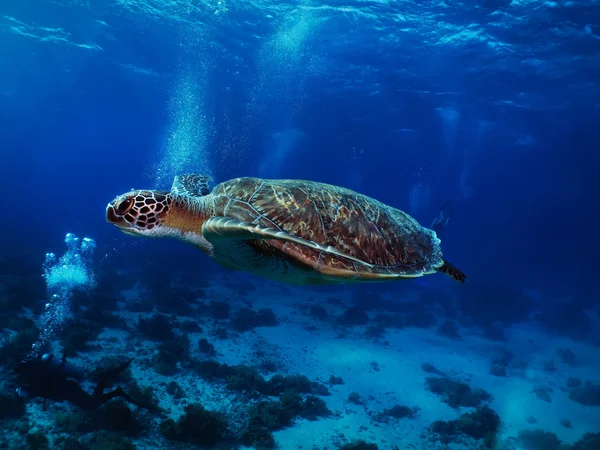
(299, 232)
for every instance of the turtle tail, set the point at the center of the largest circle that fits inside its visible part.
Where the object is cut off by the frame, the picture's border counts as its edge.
(452, 272)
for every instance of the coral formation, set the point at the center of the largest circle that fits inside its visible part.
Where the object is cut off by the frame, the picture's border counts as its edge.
(588, 394)
(494, 332)
(455, 393)
(567, 356)
(354, 397)
(359, 445)
(175, 390)
(158, 327)
(196, 426)
(190, 326)
(543, 393)
(269, 416)
(246, 378)
(353, 316)
(318, 312)
(11, 407)
(247, 319)
(206, 347)
(420, 319)
(483, 423)
(497, 369)
(218, 310)
(448, 329)
(396, 412)
(589, 441)
(538, 440)
(333, 380)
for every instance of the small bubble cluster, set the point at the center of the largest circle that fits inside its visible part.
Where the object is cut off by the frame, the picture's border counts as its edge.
(186, 148)
(64, 275)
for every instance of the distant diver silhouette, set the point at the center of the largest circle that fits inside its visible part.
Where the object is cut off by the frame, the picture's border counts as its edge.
(57, 380)
(446, 212)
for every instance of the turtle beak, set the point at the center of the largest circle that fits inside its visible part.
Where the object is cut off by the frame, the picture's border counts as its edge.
(118, 221)
(111, 216)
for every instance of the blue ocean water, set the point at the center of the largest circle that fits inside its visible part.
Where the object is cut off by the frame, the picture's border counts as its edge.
(490, 107)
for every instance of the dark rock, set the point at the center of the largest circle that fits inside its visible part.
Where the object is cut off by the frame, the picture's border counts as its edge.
(375, 331)
(566, 423)
(488, 302)
(429, 368)
(504, 358)
(354, 316)
(247, 379)
(549, 366)
(220, 333)
(313, 407)
(420, 319)
(103, 440)
(164, 363)
(567, 319)
(494, 332)
(318, 312)
(219, 310)
(397, 412)
(37, 441)
(197, 426)
(268, 366)
(567, 356)
(333, 380)
(247, 319)
(175, 390)
(589, 441)
(479, 423)
(190, 326)
(482, 423)
(543, 393)
(359, 445)
(389, 320)
(354, 397)
(588, 394)
(11, 407)
(455, 393)
(206, 347)
(449, 330)
(497, 369)
(117, 416)
(538, 440)
(159, 327)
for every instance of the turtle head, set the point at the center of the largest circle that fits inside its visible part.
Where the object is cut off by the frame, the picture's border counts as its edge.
(139, 212)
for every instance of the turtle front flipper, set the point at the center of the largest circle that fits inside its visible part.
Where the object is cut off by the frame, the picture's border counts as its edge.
(191, 185)
(261, 250)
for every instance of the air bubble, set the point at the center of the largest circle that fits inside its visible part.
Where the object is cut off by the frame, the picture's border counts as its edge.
(65, 275)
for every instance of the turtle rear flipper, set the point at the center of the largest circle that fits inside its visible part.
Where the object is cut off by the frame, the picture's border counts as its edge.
(453, 272)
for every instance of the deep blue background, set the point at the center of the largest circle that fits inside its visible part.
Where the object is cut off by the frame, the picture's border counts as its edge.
(77, 127)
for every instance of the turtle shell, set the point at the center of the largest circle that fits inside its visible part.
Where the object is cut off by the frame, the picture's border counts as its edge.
(378, 240)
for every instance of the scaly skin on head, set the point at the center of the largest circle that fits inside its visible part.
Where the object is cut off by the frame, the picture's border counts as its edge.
(161, 214)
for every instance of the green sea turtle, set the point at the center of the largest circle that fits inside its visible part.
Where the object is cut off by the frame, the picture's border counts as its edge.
(299, 232)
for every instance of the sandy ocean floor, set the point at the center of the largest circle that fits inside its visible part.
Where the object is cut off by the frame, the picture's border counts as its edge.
(384, 372)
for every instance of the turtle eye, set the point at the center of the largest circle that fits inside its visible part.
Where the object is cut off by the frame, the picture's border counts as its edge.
(124, 206)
